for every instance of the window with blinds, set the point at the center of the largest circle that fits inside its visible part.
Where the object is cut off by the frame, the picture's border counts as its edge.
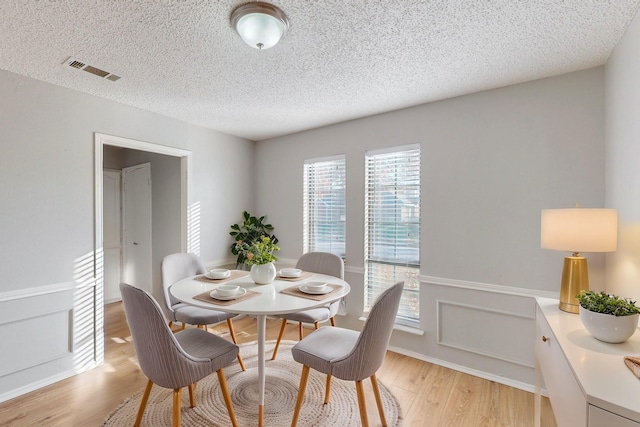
(324, 205)
(392, 227)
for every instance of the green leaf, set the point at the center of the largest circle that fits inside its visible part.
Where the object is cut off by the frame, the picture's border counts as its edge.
(607, 304)
(252, 230)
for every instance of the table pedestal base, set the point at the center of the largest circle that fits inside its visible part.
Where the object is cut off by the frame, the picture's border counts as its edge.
(262, 329)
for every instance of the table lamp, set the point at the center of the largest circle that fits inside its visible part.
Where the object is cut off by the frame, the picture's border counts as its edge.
(577, 230)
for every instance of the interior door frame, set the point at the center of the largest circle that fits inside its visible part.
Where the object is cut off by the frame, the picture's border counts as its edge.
(100, 140)
(117, 174)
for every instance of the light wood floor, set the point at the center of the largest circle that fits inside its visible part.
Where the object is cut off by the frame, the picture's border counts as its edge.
(429, 395)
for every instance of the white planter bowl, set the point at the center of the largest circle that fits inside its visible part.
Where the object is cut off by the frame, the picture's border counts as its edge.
(609, 328)
(263, 274)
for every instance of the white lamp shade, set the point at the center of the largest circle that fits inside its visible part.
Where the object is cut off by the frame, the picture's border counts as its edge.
(579, 230)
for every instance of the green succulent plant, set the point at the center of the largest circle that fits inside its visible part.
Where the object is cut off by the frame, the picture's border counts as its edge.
(607, 304)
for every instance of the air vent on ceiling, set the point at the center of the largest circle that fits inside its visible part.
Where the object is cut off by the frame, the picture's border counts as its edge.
(74, 63)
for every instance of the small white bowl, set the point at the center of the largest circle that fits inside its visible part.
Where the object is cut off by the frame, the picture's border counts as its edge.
(227, 290)
(290, 272)
(315, 286)
(219, 273)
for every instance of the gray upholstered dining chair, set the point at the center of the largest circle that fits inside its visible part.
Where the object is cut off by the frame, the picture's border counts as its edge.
(350, 355)
(173, 360)
(322, 263)
(176, 267)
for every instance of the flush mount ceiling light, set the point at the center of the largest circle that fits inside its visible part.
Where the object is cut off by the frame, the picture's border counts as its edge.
(260, 25)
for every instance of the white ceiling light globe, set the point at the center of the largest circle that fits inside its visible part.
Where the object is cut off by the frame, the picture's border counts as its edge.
(259, 30)
(260, 25)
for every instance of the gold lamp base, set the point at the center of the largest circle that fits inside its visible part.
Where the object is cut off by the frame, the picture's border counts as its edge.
(575, 279)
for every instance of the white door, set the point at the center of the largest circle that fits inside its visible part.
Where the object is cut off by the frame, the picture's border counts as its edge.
(136, 232)
(112, 235)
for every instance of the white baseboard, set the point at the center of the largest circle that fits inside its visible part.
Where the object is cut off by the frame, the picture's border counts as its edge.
(476, 373)
(44, 382)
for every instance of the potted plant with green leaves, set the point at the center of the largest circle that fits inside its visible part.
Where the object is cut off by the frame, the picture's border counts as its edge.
(260, 256)
(247, 233)
(608, 318)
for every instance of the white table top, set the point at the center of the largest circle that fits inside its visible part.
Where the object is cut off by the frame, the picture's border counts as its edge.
(599, 366)
(270, 301)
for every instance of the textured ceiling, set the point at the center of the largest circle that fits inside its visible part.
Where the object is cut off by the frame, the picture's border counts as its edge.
(340, 60)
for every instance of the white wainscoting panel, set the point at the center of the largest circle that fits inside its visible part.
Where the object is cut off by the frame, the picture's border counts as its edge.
(42, 336)
(39, 345)
(485, 332)
(482, 327)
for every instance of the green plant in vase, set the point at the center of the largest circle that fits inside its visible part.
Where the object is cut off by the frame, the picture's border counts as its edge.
(260, 255)
(246, 234)
(608, 318)
(607, 304)
(259, 252)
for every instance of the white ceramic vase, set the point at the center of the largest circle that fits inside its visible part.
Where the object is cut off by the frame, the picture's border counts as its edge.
(263, 274)
(609, 328)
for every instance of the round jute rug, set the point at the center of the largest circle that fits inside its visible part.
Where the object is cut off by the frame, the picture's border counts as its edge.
(281, 388)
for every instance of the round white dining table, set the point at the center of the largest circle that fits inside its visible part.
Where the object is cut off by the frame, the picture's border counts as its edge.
(270, 301)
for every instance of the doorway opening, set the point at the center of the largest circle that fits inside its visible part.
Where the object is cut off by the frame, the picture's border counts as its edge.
(173, 168)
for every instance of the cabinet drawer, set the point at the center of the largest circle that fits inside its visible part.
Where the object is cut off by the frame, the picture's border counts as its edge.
(568, 403)
(601, 418)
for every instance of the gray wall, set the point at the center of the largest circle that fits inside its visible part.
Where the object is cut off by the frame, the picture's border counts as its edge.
(623, 158)
(47, 286)
(490, 162)
(47, 176)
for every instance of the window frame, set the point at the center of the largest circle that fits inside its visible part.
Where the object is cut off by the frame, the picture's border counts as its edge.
(310, 238)
(406, 316)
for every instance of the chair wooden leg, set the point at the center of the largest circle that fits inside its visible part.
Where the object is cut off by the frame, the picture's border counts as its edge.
(275, 350)
(327, 389)
(143, 403)
(171, 326)
(184, 325)
(232, 332)
(192, 399)
(241, 362)
(300, 330)
(362, 404)
(315, 325)
(227, 397)
(376, 392)
(177, 395)
(333, 321)
(303, 385)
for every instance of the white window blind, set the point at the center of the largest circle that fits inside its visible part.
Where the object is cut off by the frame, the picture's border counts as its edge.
(324, 205)
(392, 227)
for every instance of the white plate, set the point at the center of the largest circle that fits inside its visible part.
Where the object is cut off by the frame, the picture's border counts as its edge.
(322, 291)
(218, 274)
(290, 272)
(214, 294)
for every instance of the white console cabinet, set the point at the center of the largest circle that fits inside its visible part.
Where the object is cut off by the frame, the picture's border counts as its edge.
(587, 381)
